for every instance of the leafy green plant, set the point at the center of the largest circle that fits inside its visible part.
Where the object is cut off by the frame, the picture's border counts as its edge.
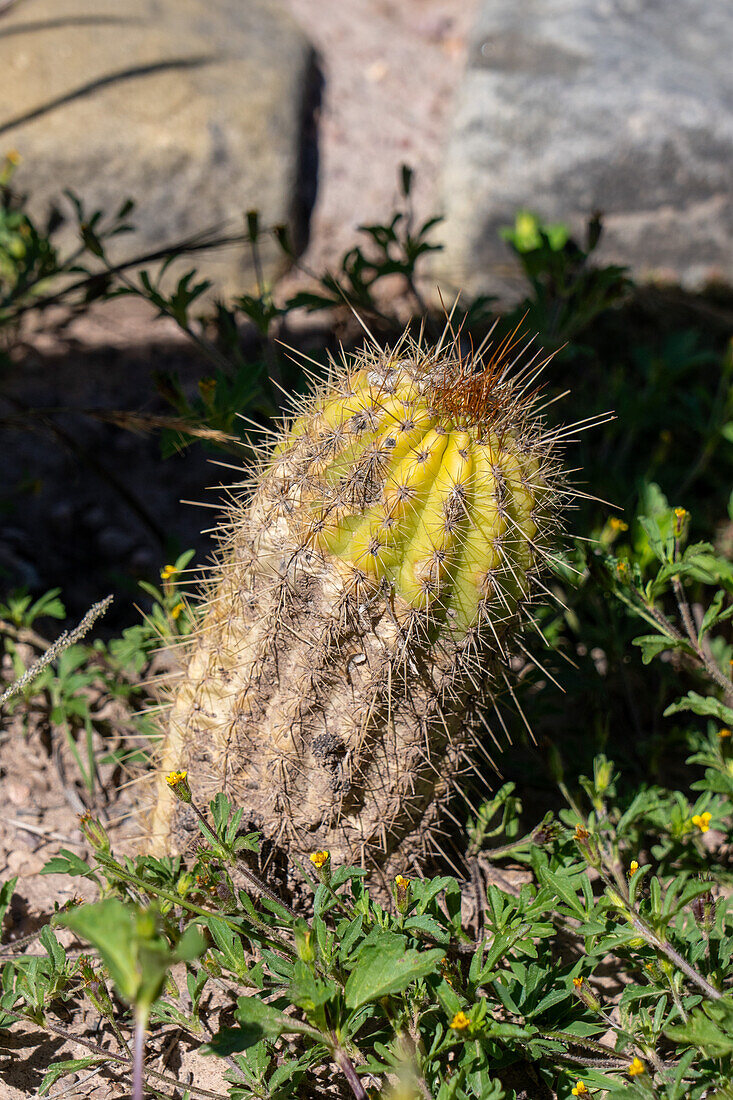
(57, 690)
(607, 971)
(568, 291)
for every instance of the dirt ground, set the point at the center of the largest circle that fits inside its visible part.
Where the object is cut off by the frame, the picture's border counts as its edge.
(390, 71)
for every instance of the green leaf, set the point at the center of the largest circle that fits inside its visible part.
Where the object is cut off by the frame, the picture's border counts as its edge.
(711, 615)
(58, 1070)
(652, 645)
(709, 1028)
(191, 945)
(56, 953)
(704, 705)
(131, 946)
(257, 1021)
(658, 532)
(67, 863)
(565, 889)
(110, 927)
(388, 967)
(6, 893)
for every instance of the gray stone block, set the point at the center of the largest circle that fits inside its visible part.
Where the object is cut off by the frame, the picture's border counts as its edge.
(197, 109)
(568, 106)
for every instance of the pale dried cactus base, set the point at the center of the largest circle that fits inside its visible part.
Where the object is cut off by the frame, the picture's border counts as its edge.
(301, 703)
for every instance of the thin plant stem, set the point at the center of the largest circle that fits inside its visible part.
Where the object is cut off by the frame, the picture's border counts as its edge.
(709, 665)
(252, 878)
(138, 1057)
(675, 957)
(346, 1066)
(621, 887)
(151, 888)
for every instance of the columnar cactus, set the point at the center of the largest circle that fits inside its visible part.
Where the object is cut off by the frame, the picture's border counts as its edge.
(366, 586)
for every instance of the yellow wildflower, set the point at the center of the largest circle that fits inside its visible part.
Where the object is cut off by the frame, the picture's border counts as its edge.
(702, 821)
(178, 783)
(319, 859)
(681, 517)
(176, 610)
(722, 734)
(402, 893)
(460, 1021)
(577, 982)
(636, 1068)
(633, 867)
(167, 572)
(617, 525)
(580, 1089)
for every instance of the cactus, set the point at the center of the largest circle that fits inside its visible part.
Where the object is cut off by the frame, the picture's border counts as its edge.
(367, 585)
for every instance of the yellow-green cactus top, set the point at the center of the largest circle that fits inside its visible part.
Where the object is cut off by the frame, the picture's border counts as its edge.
(425, 476)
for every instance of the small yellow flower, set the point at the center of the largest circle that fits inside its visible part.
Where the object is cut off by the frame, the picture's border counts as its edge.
(460, 1021)
(617, 525)
(167, 572)
(581, 833)
(622, 568)
(402, 882)
(636, 1068)
(577, 982)
(681, 516)
(319, 859)
(176, 610)
(178, 783)
(722, 734)
(633, 867)
(580, 1089)
(702, 821)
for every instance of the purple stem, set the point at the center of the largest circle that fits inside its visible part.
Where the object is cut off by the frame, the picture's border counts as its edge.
(137, 1065)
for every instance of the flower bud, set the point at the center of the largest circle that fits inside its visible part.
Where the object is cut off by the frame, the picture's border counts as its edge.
(587, 845)
(186, 884)
(95, 833)
(584, 992)
(546, 833)
(95, 988)
(211, 965)
(703, 910)
(402, 894)
(681, 522)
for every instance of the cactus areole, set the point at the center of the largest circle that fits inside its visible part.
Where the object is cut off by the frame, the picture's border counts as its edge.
(368, 586)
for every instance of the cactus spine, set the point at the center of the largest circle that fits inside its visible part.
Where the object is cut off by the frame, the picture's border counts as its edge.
(366, 587)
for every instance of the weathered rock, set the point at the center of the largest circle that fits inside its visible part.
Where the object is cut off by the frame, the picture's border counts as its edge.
(568, 106)
(198, 110)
